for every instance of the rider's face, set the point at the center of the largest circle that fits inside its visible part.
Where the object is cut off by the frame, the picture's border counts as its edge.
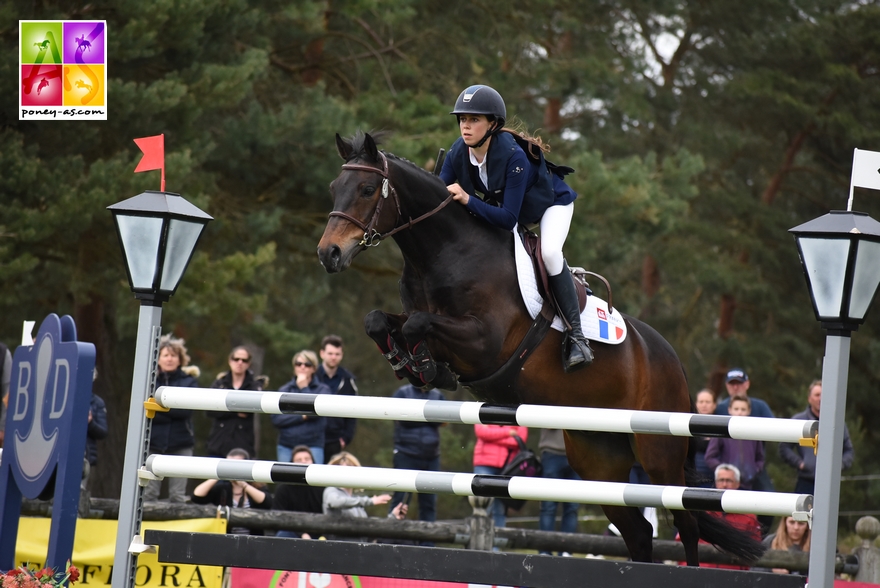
(473, 127)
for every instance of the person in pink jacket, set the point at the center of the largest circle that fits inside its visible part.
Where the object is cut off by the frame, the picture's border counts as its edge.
(496, 446)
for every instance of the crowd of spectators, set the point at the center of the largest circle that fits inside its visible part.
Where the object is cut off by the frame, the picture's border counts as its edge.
(308, 439)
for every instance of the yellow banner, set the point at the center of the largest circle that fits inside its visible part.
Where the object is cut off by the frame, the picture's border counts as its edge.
(94, 545)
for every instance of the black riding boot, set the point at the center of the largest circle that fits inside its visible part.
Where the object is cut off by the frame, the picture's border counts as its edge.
(576, 352)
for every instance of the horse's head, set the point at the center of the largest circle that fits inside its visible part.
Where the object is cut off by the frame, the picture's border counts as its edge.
(364, 203)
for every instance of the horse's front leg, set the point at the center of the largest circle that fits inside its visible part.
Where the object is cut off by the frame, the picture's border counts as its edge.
(450, 337)
(385, 330)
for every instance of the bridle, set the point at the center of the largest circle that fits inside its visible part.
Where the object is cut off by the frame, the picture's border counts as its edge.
(372, 237)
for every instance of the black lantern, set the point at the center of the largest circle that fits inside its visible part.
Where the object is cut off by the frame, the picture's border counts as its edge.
(158, 232)
(840, 255)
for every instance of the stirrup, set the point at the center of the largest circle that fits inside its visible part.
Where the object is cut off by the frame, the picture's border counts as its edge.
(577, 349)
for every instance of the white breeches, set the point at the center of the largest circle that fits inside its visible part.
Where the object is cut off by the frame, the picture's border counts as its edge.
(554, 230)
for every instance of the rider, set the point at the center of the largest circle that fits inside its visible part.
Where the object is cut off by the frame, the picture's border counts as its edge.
(516, 188)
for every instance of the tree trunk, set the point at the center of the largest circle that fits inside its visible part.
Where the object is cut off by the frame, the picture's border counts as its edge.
(552, 116)
(95, 324)
(650, 285)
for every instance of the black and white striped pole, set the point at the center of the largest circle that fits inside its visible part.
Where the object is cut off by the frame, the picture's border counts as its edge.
(466, 484)
(840, 255)
(158, 232)
(572, 418)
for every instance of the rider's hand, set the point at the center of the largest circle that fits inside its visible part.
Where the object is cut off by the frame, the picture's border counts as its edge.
(458, 193)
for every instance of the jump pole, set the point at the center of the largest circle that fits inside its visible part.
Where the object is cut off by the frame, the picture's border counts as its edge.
(798, 506)
(474, 413)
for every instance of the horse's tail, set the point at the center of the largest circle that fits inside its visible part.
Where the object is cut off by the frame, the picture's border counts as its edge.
(729, 538)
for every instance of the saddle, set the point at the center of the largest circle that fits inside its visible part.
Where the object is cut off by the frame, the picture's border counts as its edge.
(532, 243)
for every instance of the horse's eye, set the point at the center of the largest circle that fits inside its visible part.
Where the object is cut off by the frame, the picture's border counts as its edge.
(369, 191)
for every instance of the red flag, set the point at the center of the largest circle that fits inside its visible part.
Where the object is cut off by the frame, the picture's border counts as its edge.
(154, 155)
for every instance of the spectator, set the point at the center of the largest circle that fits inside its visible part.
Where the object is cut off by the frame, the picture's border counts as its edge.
(297, 498)
(745, 454)
(301, 429)
(494, 448)
(738, 383)
(555, 462)
(5, 377)
(233, 494)
(417, 447)
(727, 477)
(705, 405)
(340, 502)
(97, 430)
(172, 431)
(790, 535)
(339, 431)
(803, 459)
(235, 429)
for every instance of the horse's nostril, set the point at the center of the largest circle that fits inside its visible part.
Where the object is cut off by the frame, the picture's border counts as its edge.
(331, 258)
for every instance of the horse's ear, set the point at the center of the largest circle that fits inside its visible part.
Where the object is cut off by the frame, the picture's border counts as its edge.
(370, 147)
(343, 147)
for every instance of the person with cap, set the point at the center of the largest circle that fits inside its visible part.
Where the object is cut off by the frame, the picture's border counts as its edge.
(500, 175)
(738, 384)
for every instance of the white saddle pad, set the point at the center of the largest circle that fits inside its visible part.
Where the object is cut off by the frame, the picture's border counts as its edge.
(596, 322)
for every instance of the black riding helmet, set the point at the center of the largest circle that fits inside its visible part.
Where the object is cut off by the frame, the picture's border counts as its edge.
(484, 100)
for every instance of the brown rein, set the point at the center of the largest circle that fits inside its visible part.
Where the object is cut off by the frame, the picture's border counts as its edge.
(372, 237)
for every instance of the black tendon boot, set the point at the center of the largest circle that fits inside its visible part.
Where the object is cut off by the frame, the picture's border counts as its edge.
(576, 352)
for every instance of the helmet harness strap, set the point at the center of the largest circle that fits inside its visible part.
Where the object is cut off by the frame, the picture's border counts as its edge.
(488, 134)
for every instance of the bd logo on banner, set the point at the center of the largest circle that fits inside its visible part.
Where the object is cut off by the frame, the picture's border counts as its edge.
(62, 69)
(46, 422)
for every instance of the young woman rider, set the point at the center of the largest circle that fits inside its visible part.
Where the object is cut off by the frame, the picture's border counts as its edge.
(516, 188)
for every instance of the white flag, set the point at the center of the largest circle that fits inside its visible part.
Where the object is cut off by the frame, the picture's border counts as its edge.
(27, 333)
(866, 169)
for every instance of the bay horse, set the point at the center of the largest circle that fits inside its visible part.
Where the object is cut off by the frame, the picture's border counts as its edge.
(463, 318)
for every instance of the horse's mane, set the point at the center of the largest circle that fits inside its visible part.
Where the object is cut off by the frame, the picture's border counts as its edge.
(417, 167)
(357, 146)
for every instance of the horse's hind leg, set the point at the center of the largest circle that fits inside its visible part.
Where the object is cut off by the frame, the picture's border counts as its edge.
(664, 461)
(636, 531)
(689, 531)
(384, 329)
(609, 456)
